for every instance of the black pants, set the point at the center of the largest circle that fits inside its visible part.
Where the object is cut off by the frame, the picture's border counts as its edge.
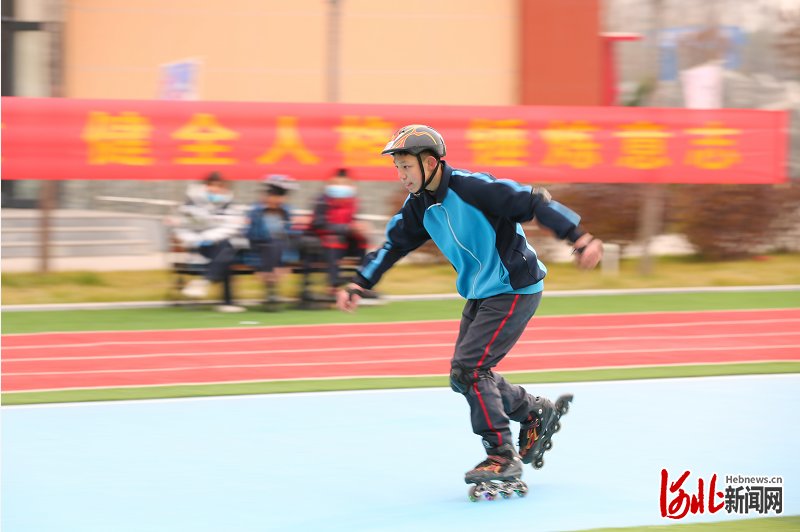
(342, 242)
(270, 254)
(489, 329)
(222, 255)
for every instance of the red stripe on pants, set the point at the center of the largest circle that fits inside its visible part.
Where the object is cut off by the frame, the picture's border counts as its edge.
(480, 362)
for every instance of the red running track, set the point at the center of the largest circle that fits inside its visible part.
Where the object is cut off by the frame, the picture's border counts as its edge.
(52, 361)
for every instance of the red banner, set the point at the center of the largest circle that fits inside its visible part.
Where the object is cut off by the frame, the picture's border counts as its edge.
(119, 139)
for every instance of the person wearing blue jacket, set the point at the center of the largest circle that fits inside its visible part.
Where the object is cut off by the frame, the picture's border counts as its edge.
(269, 232)
(474, 219)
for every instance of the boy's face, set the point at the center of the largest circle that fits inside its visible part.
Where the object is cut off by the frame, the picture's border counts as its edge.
(272, 200)
(409, 172)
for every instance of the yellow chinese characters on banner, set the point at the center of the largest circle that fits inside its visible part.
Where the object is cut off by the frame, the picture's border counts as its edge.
(207, 136)
(571, 144)
(498, 142)
(118, 139)
(288, 142)
(713, 147)
(361, 140)
(621, 148)
(643, 146)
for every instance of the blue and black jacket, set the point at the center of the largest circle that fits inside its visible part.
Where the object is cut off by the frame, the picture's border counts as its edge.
(475, 220)
(258, 230)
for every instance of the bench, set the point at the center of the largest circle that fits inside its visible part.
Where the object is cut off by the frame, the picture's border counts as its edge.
(309, 260)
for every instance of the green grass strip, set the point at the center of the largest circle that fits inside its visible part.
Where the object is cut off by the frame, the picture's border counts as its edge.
(764, 523)
(194, 317)
(378, 383)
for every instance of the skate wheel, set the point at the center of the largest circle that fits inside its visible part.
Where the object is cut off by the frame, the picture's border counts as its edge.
(548, 445)
(473, 494)
(489, 496)
(505, 494)
(556, 427)
(538, 464)
(522, 491)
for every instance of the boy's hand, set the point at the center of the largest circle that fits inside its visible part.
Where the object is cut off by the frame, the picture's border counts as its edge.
(589, 251)
(348, 297)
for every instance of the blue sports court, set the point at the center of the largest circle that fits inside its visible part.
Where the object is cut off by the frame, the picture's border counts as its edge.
(386, 460)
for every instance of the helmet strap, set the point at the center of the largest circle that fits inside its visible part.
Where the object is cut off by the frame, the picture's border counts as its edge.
(426, 182)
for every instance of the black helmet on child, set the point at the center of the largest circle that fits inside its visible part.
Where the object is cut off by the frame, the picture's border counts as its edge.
(415, 139)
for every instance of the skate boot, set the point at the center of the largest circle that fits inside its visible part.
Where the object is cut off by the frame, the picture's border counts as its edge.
(499, 474)
(535, 433)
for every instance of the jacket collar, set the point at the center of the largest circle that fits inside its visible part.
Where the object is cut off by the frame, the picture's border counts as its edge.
(444, 183)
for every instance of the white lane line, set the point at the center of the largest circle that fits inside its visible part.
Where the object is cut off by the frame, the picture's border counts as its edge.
(534, 328)
(516, 356)
(317, 350)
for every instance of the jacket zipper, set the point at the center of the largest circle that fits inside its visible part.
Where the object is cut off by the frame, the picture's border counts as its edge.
(480, 264)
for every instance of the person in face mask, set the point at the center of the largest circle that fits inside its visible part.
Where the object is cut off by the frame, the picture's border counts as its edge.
(334, 223)
(212, 225)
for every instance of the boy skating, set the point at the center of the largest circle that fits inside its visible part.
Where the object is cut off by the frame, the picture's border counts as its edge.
(475, 220)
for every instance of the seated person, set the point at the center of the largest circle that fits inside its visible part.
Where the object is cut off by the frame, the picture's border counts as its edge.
(270, 231)
(335, 224)
(211, 224)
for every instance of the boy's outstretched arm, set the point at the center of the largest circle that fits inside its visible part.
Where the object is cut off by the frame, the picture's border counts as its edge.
(404, 233)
